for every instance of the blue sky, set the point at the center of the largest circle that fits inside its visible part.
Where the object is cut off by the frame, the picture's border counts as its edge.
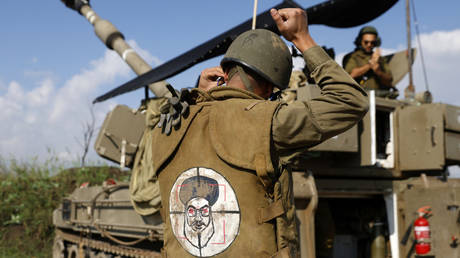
(53, 65)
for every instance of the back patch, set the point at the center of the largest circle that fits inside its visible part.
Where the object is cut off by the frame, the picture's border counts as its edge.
(204, 212)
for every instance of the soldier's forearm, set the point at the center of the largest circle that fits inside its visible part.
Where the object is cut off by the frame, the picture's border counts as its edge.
(360, 71)
(341, 104)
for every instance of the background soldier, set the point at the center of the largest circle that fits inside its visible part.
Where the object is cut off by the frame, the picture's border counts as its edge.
(366, 65)
(234, 136)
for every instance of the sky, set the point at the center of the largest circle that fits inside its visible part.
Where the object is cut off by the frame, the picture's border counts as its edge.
(52, 65)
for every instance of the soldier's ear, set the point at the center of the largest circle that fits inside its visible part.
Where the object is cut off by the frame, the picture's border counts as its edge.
(378, 42)
(226, 76)
(357, 41)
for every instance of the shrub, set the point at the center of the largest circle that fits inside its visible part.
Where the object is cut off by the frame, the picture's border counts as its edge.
(29, 193)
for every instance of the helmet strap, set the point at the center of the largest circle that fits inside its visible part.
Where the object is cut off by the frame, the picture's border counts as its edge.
(245, 79)
(231, 72)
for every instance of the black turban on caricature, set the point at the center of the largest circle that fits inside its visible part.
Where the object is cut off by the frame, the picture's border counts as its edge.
(199, 186)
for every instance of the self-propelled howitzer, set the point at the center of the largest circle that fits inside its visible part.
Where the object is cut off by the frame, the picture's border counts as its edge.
(368, 185)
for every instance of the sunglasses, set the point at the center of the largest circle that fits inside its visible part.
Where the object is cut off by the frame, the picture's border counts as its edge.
(373, 42)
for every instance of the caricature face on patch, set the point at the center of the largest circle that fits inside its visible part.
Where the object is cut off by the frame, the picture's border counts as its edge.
(198, 214)
(204, 212)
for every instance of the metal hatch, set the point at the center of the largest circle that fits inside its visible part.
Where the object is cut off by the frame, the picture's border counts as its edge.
(420, 137)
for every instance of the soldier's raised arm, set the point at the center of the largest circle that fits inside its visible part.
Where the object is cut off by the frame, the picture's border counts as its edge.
(342, 102)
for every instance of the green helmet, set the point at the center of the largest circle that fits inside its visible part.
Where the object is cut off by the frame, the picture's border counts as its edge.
(263, 52)
(367, 30)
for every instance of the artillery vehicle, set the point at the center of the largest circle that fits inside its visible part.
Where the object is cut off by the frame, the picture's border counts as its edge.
(358, 194)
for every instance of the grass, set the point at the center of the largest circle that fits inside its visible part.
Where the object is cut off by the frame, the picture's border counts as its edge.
(29, 192)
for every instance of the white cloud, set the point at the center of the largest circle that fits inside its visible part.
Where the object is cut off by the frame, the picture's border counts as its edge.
(39, 96)
(51, 115)
(8, 103)
(441, 53)
(442, 42)
(79, 90)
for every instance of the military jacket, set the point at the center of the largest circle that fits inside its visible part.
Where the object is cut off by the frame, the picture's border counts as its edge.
(215, 171)
(303, 124)
(369, 80)
(208, 171)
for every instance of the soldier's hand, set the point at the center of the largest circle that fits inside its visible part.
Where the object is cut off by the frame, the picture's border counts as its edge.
(209, 78)
(376, 55)
(374, 61)
(374, 66)
(293, 25)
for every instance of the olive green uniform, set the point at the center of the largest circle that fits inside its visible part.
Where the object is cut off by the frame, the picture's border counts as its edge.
(224, 174)
(369, 80)
(307, 123)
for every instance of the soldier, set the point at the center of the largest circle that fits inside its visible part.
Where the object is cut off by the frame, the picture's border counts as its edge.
(366, 65)
(224, 171)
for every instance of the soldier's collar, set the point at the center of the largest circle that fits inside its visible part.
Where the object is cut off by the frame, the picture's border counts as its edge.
(198, 95)
(222, 93)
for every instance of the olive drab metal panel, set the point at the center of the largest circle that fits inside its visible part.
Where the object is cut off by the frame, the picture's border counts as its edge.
(452, 146)
(421, 137)
(452, 116)
(398, 63)
(120, 135)
(366, 141)
(452, 135)
(443, 198)
(110, 209)
(306, 204)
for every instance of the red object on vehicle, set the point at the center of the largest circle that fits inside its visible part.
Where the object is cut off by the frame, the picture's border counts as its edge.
(422, 235)
(84, 185)
(110, 181)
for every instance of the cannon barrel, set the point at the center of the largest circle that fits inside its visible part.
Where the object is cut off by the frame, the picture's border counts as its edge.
(115, 40)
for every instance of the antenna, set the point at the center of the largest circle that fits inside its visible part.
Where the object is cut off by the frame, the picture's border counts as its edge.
(409, 92)
(417, 32)
(254, 15)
